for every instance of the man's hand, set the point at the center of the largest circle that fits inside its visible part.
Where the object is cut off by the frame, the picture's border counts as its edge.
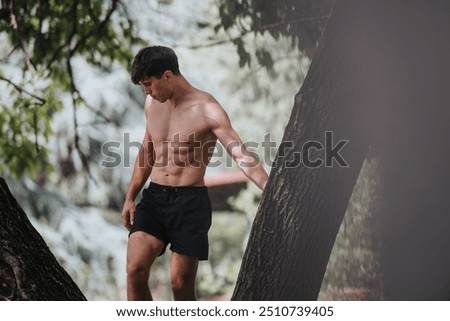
(128, 211)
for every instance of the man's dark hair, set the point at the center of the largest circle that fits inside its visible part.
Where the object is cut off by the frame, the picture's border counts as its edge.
(153, 61)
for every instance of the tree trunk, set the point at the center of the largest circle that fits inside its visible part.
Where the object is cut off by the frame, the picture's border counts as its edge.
(28, 270)
(379, 78)
(302, 207)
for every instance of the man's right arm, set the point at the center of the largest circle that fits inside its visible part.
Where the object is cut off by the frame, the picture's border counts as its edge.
(141, 172)
(247, 161)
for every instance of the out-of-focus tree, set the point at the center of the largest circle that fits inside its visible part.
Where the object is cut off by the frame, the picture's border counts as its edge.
(39, 42)
(28, 270)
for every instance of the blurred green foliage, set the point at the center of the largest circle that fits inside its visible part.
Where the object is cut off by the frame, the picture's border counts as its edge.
(39, 40)
(24, 126)
(304, 20)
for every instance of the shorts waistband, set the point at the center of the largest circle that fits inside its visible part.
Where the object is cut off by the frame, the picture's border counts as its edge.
(180, 190)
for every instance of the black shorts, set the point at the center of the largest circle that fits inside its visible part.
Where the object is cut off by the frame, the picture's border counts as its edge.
(180, 216)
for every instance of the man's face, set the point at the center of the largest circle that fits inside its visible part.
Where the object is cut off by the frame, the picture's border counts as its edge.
(159, 89)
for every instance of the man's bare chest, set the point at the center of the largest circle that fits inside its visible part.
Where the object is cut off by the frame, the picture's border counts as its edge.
(183, 130)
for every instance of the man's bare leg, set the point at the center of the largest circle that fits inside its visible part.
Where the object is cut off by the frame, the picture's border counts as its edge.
(183, 270)
(143, 249)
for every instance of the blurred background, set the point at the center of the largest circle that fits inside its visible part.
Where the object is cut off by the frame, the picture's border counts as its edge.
(66, 96)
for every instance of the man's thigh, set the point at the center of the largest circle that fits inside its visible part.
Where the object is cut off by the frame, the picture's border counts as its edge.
(143, 249)
(183, 267)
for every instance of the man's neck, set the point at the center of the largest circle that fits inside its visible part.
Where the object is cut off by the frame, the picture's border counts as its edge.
(182, 88)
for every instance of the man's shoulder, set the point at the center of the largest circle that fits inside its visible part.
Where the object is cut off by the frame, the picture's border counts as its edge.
(205, 98)
(211, 106)
(206, 103)
(214, 114)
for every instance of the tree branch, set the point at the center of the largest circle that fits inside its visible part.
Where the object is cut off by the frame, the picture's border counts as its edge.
(66, 44)
(95, 31)
(9, 54)
(41, 100)
(22, 42)
(83, 39)
(35, 124)
(254, 30)
(71, 53)
(40, 11)
(76, 94)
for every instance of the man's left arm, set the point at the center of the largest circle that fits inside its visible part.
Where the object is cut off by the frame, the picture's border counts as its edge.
(247, 161)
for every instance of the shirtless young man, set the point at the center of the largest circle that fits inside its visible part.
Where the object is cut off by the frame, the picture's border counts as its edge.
(183, 125)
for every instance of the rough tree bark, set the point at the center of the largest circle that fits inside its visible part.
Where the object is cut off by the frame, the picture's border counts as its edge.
(302, 207)
(377, 79)
(28, 270)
